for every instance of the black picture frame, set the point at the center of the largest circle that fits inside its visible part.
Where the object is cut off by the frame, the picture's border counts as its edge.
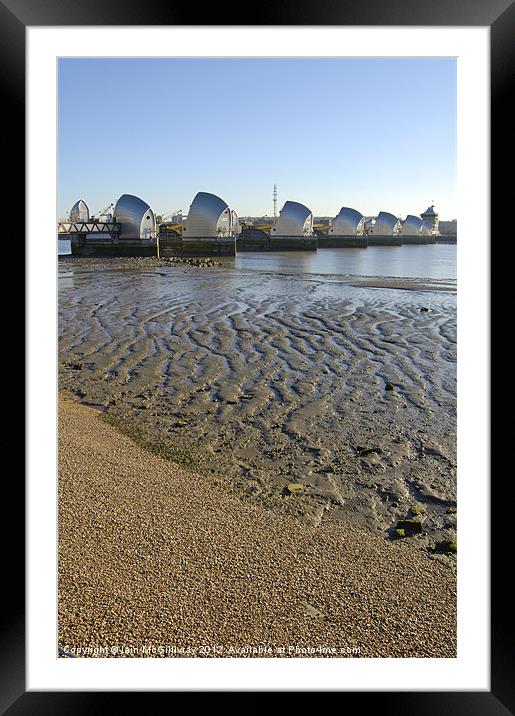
(499, 15)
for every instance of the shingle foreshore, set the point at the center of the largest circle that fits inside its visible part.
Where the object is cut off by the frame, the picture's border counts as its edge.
(155, 560)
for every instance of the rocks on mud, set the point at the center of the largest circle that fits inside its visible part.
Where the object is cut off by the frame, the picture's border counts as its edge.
(151, 261)
(451, 521)
(205, 262)
(362, 450)
(446, 546)
(409, 527)
(293, 488)
(418, 510)
(136, 262)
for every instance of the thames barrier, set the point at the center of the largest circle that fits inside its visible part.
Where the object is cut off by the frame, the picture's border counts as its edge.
(211, 228)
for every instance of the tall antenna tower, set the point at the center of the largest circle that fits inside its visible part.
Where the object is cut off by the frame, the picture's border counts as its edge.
(275, 201)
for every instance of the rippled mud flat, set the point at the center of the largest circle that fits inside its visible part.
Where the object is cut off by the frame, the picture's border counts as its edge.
(328, 397)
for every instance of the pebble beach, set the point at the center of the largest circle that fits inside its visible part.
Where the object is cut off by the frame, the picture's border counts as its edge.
(156, 561)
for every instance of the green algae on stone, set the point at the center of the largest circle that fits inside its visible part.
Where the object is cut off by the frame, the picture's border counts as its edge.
(294, 487)
(418, 510)
(411, 527)
(446, 546)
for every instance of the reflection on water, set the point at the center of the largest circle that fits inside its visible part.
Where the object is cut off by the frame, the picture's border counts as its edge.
(435, 261)
(66, 279)
(63, 247)
(423, 261)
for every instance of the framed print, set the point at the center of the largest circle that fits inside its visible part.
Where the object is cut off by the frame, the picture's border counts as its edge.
(258, 396)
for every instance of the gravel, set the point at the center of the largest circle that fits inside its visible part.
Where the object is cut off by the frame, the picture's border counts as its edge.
(158, 561)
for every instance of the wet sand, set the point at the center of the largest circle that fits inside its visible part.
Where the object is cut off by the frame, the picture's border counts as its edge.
(152, 556)
(329, 398)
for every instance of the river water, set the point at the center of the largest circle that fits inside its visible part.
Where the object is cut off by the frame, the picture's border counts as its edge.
(435, 261)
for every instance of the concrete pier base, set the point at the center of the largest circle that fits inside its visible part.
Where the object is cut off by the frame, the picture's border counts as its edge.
(342, 242)
(293, 243)
(418, 239)
(379, 240)
(170, 247)
(277, 243)
(81, 246)
(252, 245)
(446, 239)
(200, 247)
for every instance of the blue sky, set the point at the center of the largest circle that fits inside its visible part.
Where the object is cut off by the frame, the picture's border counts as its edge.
(374, 134)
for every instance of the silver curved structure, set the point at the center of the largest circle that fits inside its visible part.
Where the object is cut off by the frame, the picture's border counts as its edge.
(412, 226)
(294, 220)
(369, 224)
(209, 216)
(79, 211)
(426, 229)
(236, 226)
(136, 218)
(348, 222)
(386, 224)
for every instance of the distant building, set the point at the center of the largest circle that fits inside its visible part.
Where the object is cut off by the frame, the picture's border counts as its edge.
(167, 230)
(294, 220)
(448, 227)
(135, 217)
